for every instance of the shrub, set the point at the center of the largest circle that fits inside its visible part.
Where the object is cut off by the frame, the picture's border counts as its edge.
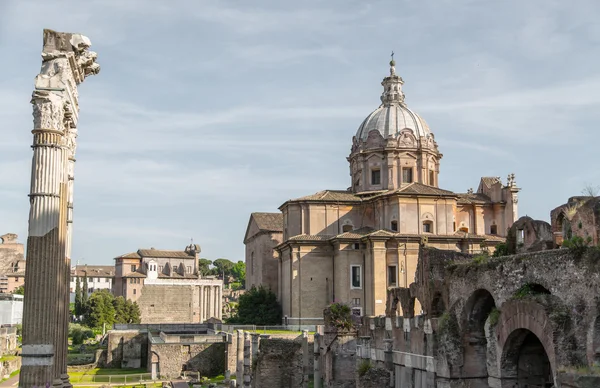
(79, 333)
(364, 367)
(258, 306)
(501, 250)
(341, 316)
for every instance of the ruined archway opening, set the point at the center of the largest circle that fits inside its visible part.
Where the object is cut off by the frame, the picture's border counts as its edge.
(437, 305)
(525, 361)
(477, 310)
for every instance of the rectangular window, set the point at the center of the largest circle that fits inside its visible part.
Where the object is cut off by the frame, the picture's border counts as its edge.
(375, 177)
(395, 226)
(130, 280)
(493, 229)
(407, 175)
(392, 276)
(357, 311)
(355, 276)
(431, 178)
(189, 269)
(97, 280)
(427, 227)
(134, 291)
(356, 245)
(133, 268)
(16, 279)
(356, 301)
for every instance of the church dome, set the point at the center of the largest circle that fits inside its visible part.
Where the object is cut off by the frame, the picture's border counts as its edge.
(389, 120)
(393, 115)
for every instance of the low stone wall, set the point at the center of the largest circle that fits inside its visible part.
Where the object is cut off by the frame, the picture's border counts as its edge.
(127, 349)
(9, 366)
(374, 377)
(279, 364)
(568, 380)
(208, 359)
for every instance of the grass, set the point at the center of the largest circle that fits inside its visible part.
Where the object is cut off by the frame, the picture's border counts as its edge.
(99, 375)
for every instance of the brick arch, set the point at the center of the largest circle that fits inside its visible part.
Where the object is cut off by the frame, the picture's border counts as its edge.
(529, 315)
(473, 315)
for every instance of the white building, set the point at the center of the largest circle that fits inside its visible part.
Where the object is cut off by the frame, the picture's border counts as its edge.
(99, 277)
(11, 309)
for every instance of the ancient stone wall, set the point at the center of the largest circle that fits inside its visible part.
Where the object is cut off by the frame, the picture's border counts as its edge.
(209, 359)
(279, 364)
(127, 349)
(11, 254)
(167, 304)
(374, 377)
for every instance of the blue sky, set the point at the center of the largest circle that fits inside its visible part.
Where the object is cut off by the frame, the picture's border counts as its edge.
(206, 111)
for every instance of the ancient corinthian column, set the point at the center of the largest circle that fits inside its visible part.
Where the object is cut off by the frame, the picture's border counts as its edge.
(66, 62)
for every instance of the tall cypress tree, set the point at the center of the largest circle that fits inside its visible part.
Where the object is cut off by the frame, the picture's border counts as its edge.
(78, 298)
(84, 295)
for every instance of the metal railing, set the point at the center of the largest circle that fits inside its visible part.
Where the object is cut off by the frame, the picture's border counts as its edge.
(130, 379)
(278, 329)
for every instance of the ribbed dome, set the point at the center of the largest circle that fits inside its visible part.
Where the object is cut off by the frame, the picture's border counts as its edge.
(389, 120)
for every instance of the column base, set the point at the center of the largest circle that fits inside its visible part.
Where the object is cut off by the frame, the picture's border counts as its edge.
(66, 383)
(57, 383)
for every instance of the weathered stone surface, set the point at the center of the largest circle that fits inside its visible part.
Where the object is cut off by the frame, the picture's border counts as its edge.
(279, 364)
(374, 378)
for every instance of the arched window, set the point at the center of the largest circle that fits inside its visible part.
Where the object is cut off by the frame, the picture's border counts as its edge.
(347, 228)
(427, 226)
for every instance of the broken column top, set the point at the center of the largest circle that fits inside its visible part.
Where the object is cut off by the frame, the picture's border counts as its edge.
(72, 46)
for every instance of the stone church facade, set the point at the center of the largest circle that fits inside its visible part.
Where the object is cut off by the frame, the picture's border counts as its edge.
(351, 245)
(167, 286)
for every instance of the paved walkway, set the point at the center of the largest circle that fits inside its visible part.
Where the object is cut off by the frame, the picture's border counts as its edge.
(11, 382)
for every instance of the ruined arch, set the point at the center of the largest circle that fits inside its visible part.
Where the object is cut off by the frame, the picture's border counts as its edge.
(475, 313)
(525, 360)
(519, 319)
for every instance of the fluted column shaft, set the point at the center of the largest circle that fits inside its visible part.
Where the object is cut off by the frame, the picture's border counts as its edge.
(45, 242)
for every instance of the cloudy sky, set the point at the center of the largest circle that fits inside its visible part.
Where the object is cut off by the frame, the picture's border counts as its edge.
(206, 111)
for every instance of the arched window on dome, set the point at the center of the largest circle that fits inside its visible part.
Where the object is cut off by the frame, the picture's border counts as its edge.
(347, 228)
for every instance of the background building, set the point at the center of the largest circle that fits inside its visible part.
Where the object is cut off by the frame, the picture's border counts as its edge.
(263, 234)
(12, 263)
(11, 309)
(351, 245)
(167, 286)
(99, 277)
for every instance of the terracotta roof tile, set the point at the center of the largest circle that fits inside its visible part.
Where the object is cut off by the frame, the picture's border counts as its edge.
(489, 181)
(331, 196)
(131, 255)
(177, 276)
(163, 253)
(272, 222)
(475, 198)
(310, 237)
(94, 270)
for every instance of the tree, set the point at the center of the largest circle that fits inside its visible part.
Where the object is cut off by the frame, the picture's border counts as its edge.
(223, 268)
(100, 309)
(84, 295)
(133, 310)
(258, 306)
(590, 190)
(121, 312)
(19, 290)
(238, 271)
(204, 267)
(78, 299)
